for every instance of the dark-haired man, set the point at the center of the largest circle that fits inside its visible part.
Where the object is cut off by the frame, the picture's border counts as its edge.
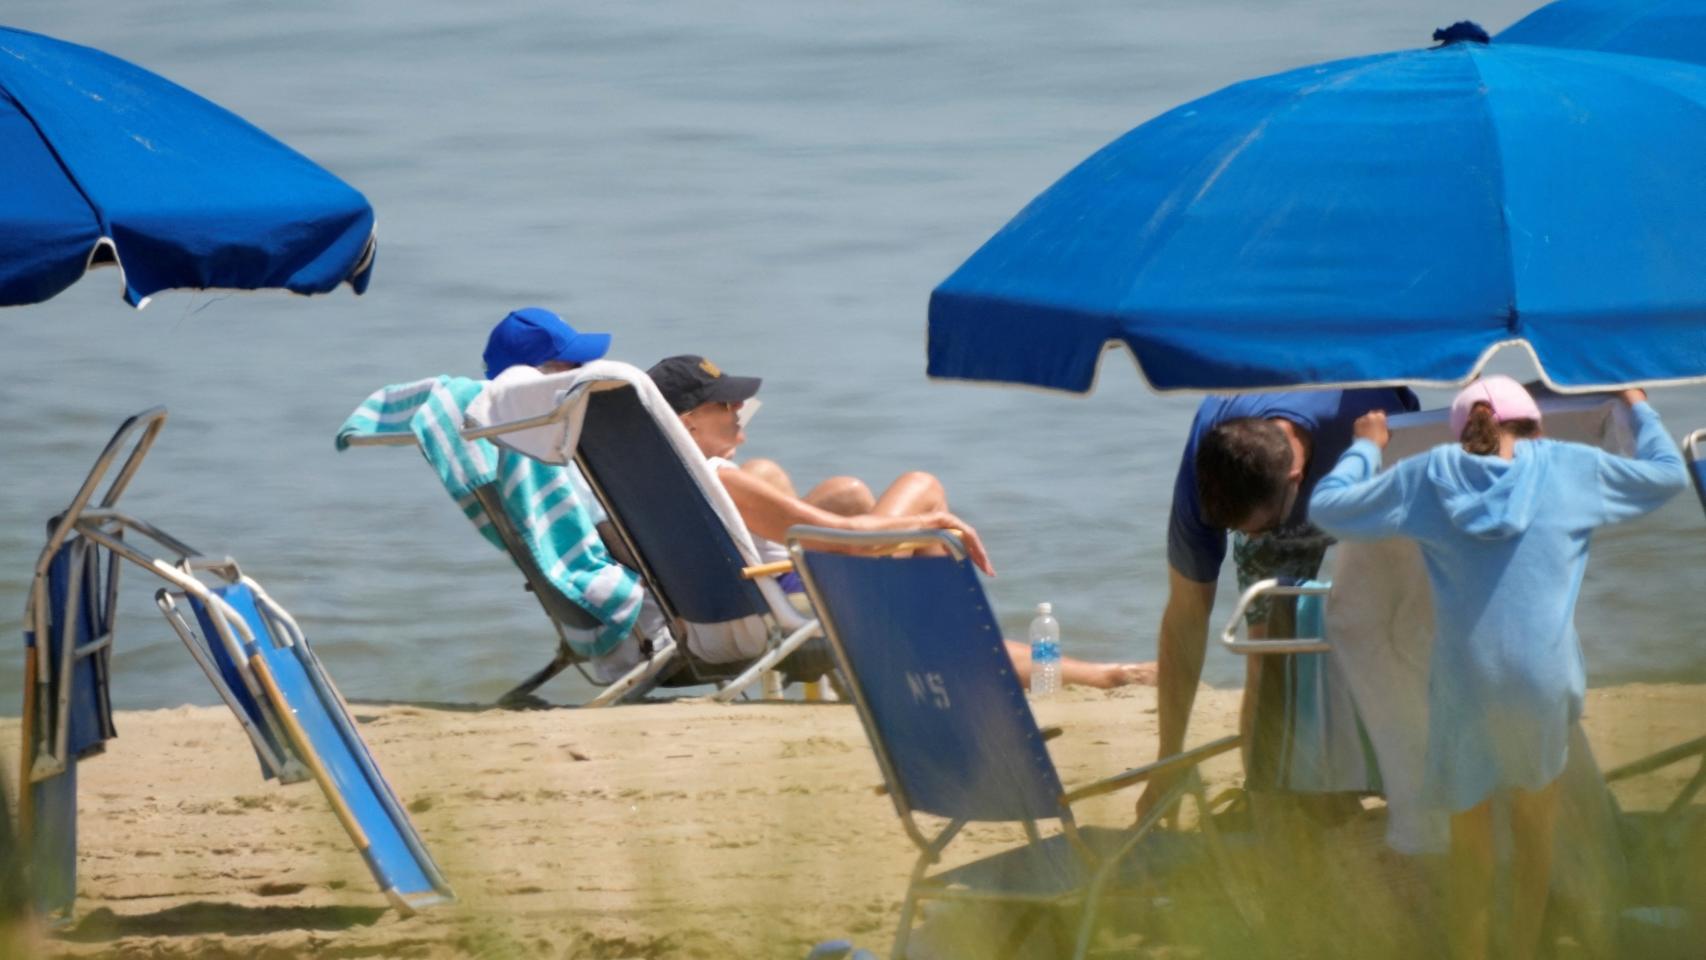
(1249, 465)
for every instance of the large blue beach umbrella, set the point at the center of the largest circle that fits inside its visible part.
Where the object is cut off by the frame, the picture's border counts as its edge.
(102, 161)
(1675, 29)
(1385, 219)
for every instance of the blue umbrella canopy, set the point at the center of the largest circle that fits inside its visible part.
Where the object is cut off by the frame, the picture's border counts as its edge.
(102, 161)
(1675, 29)
(1385, 219)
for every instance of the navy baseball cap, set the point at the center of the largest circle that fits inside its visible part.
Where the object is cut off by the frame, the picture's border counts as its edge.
(534, 336)
(687, 381)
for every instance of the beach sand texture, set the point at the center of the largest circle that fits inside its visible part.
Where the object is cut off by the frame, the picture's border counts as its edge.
(657, 830)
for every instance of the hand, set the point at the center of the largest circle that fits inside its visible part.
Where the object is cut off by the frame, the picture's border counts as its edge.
(1372, 426)
(973, 544)
(1157, 787)
(1634, 395)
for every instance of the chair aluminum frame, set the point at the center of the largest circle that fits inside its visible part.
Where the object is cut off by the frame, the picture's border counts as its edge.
(789, 630)
(286, 633)
(638, 678)
(931, 847)
(1694, 452)
(46, 722)
(46, 725)
(1234, 638)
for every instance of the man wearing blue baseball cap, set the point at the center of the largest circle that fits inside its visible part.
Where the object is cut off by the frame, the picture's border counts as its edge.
(536, 337)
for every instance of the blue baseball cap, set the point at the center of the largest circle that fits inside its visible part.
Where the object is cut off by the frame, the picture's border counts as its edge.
(534, 336)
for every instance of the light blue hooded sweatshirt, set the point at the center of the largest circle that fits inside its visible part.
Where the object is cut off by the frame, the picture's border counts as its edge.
(1506, 545)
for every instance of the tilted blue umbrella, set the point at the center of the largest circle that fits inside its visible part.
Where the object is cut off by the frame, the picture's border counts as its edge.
(1384, 219)
(103, 161)
(1675, 29)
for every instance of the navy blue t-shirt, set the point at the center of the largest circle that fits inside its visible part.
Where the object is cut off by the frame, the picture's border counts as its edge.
(1196, 549)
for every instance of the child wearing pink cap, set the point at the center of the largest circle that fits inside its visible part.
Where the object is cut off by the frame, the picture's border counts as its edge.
(1503, 519)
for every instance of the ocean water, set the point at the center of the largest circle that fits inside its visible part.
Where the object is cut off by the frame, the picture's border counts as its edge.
(772, 184)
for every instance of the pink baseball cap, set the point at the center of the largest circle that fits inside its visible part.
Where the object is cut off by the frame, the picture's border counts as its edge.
(1507, 398)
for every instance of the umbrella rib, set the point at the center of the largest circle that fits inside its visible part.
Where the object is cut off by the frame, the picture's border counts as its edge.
(1512, 318)
(59, 161)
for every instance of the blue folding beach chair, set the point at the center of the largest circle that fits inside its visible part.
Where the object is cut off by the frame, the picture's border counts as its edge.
(251, 650)
(954, 737)
(300, 723)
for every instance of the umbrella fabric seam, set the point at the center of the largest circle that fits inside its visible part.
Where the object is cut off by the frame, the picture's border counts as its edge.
(1513, 318)
(77, 184)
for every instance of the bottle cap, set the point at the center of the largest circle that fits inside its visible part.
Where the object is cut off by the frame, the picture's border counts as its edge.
(1045, 608)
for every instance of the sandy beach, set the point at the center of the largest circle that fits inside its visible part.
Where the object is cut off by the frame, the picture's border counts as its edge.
(656, 830)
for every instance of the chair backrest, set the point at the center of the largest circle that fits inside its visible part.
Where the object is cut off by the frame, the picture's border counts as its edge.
(1694, 448)
(557, 606)
(688, 555)
(932, 681)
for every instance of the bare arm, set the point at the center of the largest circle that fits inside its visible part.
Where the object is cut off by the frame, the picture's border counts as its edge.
(769, 512)
(1184, 638)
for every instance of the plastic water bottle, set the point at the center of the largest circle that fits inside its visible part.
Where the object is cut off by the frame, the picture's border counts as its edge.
(1045, 652)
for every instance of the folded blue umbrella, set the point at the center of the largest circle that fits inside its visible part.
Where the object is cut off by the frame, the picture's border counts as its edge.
(1385, 219)
(1674, 29)
(102, 161)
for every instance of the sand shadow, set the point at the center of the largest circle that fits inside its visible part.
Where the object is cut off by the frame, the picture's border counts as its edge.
(202, 917)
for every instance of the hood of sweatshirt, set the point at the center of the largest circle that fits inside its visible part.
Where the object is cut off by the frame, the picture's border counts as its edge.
(1489, 497)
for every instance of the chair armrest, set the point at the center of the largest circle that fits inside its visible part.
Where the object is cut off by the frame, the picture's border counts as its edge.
(1177, 761)
(766, 570)
(1229, 637)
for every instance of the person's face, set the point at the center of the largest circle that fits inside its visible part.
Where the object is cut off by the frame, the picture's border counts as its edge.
(558, 366)
(715, 427)
(1275, 514)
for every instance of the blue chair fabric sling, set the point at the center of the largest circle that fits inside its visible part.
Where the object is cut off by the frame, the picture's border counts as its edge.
(302, 715)
(954, 736)
(77, 713)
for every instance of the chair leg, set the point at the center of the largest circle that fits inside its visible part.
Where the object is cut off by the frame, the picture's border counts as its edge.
(771, 658)
(520, 694)
(638, 679)
(903, 934)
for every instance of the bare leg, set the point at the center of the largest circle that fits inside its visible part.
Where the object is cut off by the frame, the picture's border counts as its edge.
(847, 496)
(772, 473)
(1083, 673)
(1533, 817)
(1470, 885)
(912, 492)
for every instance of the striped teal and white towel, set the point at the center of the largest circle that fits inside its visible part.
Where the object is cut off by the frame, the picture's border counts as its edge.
(540, 499)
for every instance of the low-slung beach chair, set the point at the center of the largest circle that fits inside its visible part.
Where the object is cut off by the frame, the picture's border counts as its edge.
(252, 651)
(923, 659)
(734, 623)
(502, 493)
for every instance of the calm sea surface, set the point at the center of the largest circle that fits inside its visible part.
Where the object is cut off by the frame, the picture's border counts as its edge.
(774, 184)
